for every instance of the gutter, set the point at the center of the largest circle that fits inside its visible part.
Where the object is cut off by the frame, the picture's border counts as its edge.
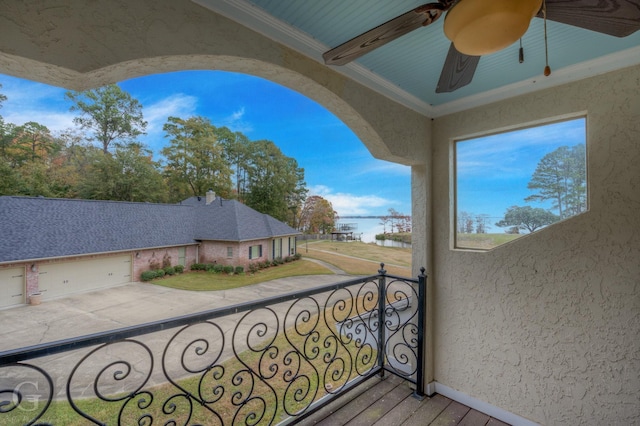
(39, 259)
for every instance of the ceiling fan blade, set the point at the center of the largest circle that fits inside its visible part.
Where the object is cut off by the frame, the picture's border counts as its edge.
(383, 34)
(618, 18)
(457, 71)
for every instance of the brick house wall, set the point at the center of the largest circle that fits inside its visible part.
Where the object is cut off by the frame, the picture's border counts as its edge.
(237, 254)
(217, 252)
(144, 260)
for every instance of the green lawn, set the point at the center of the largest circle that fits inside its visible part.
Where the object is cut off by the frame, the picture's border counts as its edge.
(355, 258)
(484, 241)
(207, 281)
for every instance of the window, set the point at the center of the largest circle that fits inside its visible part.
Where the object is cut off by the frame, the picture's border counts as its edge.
(292, 245)
(277, 248)
(229, 252)
(511, 184)
(255, 252)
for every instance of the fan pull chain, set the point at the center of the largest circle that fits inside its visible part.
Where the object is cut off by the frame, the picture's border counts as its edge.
(547, 68)
(521, 52)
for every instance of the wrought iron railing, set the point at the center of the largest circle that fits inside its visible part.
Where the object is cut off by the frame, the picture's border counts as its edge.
(271, 361)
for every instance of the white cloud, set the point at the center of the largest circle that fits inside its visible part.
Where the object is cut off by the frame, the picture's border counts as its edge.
(349, 204)
(55, 121)
(236, 122)
(31, 101)
(178, 105)
(238, 114)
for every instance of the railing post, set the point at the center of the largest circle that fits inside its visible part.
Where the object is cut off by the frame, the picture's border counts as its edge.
(422, 304)
(382, 291)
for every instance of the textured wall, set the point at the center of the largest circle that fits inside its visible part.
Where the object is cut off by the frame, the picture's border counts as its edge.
(548, 327)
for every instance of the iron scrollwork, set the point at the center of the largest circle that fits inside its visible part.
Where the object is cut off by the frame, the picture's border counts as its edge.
(260, 363)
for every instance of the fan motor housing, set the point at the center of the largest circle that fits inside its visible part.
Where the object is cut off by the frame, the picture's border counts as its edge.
(480, 27)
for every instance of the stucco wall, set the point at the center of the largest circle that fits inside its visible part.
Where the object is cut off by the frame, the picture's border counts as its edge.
(548, 327)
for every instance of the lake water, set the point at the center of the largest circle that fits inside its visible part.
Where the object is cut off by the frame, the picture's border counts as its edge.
(366, 229)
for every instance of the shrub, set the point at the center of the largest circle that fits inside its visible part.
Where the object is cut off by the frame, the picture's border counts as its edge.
(179, 269)
(159, 273)
(148, 275)
(228, 269)
(288, 259)
(297, 256)
(239, 270)
(209, 267)
(254, 267)
(265, 264)
(198, 267)
(170, 270)
(214, 267)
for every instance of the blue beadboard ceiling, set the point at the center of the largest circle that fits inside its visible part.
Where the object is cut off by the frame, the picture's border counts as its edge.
(408, 69)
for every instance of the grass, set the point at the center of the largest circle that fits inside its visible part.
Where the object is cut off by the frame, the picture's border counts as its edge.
(207, 281)
(484, 241)
(357, 258)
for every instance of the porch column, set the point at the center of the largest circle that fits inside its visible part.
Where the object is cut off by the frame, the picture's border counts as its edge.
(421, 255)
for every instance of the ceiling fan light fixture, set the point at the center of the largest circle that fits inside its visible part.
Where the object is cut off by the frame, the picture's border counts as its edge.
(480, 27)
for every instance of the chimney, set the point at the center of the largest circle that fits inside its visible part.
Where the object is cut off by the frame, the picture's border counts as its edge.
(210, 196)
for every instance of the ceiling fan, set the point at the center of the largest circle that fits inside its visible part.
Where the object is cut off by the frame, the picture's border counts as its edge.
(480, 27)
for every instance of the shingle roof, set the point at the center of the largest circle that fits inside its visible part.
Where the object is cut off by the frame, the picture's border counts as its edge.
(230, 220)
(36, 227)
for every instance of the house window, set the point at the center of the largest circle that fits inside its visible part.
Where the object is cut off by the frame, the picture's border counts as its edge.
(255, 252)
(277, 248)
(229, 252)
(511, 184)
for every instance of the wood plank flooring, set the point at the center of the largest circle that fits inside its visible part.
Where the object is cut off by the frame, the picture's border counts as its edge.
(389, 402)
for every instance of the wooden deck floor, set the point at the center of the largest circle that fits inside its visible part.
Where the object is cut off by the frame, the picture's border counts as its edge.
(389, 402)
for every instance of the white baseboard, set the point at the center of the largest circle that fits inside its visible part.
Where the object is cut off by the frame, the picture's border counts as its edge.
(483, 407)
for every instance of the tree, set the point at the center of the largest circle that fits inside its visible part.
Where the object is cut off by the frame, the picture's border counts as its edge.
(527, 217)
(237, 148)
(110, 113)
(11, 182)
(465, 222)
(275, 183)
(8, 132)
(482, 223)
(317, 216)
(195, 159)
(128, 175)
(560, 176)
(2, 97)
(32, 141)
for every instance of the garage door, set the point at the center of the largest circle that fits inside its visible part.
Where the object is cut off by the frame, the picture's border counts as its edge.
(61, 279)
(11, 287)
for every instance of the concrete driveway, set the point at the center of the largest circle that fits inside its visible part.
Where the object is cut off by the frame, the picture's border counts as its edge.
(131, 304)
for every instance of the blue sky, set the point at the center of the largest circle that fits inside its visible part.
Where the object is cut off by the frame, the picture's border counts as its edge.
(493, 171)
(337, 165)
